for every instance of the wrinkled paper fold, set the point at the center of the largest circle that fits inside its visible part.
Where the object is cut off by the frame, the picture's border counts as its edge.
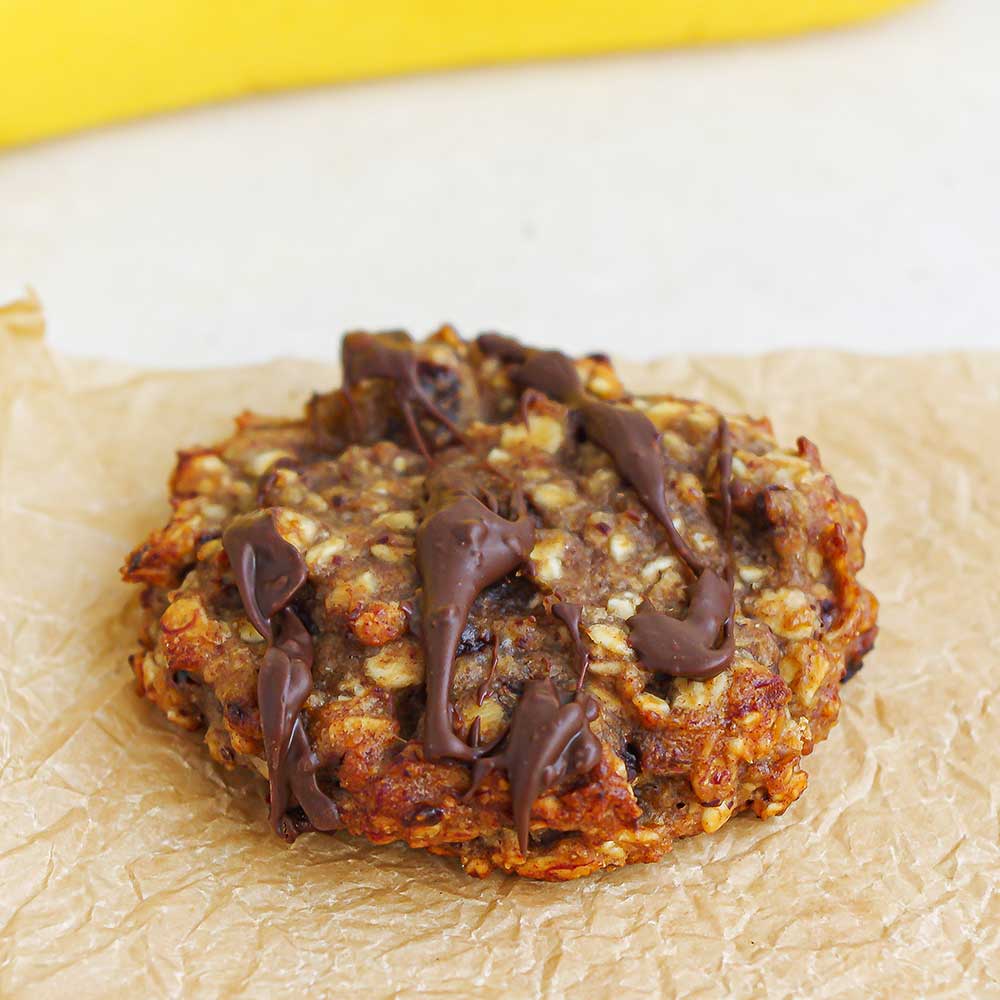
(131, 865)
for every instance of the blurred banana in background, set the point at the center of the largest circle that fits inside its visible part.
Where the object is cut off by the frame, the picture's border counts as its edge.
(67, 64)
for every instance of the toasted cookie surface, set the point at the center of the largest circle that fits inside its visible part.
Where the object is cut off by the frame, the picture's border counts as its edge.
(484, 601)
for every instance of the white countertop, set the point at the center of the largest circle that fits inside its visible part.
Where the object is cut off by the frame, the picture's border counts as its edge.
(839, 190)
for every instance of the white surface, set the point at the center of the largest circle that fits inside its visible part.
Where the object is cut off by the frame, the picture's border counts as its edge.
(839, 190)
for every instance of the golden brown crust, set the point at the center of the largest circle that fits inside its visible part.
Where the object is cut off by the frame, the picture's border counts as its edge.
(679, 756)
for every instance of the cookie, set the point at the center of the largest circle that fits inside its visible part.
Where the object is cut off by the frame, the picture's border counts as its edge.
(484, 601)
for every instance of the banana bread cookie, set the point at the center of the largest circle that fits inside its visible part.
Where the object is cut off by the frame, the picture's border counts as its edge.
(484, 601)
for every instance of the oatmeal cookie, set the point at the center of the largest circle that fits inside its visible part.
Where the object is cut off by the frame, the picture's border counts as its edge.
(483, 600)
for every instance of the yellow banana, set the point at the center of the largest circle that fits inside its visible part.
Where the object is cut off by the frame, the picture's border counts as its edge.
(66, 64)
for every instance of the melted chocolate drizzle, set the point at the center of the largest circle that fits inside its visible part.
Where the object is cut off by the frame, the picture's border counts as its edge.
(269, 570)
(569, 615)
(497, 345)
(547, 742)
(686, 647)
(632, 441)
(551, 372)
(283, 684)
(628, 436)
(365, 355)
(461, 549)
(679, 647)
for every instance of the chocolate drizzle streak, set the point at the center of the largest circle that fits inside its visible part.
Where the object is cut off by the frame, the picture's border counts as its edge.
(691, 647)
(551, 372)
(365, 355)
(461, 549)
(680, 647)
(547, 742)
(632, 441)
(497, 345)
(627, 435)
(569, 615)
(284, 683)
(269, 570)
(687, 647)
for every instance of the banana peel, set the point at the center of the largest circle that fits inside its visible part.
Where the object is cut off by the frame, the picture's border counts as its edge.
(68, 64)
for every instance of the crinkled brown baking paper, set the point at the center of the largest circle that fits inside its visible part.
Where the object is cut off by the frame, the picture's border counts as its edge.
(133, 866)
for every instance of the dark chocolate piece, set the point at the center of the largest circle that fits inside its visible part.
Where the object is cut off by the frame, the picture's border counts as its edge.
(686, 647)
(461, 549)
(365, 355)
(547, 742)
(283, 684)
(569, 615)
(268, 569)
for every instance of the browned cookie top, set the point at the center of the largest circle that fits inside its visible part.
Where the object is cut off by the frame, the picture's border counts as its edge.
(484, 601)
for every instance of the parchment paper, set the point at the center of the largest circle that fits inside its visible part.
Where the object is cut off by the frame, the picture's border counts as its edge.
(131, 865)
